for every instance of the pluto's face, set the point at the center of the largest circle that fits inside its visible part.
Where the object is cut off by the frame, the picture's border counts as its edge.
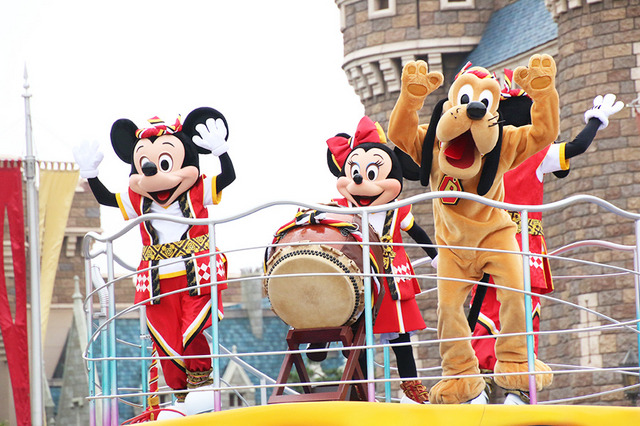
(468, 128)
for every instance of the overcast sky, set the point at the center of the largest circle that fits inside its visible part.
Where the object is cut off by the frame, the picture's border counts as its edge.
(272, 67)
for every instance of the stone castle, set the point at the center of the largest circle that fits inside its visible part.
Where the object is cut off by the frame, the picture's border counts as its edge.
(596, 45)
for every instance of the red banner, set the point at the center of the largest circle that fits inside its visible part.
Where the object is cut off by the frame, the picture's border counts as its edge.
(14, 330)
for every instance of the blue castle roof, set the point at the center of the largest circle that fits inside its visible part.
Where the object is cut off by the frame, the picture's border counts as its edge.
(512, 30)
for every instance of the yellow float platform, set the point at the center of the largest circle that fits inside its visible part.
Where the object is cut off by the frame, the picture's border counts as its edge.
(346, 413)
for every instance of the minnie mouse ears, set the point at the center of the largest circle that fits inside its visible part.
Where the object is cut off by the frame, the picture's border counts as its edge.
(341, 145)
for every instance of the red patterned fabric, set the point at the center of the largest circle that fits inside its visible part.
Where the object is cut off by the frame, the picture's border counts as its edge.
(203, 272)
(159, 128)
(403, 315)
(14, 330)
(508, 90)
(478, 73)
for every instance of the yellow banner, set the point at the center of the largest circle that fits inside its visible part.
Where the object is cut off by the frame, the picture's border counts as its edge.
(58, 182)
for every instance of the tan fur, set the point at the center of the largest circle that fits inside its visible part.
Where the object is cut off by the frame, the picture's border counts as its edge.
(476, 225)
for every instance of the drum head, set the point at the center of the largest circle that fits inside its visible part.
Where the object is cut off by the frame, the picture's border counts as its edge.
(314, 301)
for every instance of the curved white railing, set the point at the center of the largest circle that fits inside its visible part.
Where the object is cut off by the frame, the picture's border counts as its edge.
(108, 394)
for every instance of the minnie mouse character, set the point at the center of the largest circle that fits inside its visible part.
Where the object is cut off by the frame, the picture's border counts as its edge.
(370, 174)
(165, 178)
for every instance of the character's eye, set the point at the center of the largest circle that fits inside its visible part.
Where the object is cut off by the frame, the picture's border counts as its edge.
(355, 169)
(165, 163)
(372, 171)
(486, 97)
(465, 94)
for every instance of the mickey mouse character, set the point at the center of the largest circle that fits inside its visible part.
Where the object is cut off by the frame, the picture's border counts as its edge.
(524, 185)
(466, 148)
(370, 174)
(165, 178)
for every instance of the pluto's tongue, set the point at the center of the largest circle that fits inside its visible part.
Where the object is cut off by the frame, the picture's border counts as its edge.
(455, 149)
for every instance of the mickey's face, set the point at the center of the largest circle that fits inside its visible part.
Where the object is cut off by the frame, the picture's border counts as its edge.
(367, 179)
(160, 172)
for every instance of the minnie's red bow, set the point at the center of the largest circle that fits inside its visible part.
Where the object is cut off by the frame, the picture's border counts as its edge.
(367, 131)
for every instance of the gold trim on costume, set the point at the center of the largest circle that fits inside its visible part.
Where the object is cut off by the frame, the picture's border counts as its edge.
(535, 225)
(564, 161)
(174, 249)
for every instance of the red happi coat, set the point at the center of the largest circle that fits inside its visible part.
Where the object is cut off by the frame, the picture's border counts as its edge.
(402, 315)
(522, 186)
(148, 281)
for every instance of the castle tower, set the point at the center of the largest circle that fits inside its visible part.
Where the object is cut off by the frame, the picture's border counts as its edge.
(596, 45)
(598, 52)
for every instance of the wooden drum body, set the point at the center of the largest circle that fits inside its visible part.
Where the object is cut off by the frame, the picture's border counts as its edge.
(316, 300)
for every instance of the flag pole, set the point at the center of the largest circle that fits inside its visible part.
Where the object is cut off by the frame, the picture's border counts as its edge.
(37, 415)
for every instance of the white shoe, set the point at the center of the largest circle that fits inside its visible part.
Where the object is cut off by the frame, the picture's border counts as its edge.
(199, 400)
(514, 399)
(174, 411)
(483, 398)
(406, 400)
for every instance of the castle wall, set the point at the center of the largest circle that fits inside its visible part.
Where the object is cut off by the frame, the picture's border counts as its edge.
(596, 51)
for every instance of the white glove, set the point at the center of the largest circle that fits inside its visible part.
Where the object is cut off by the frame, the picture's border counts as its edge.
(212, 136)
(88, 157)
(603, 108)
(434, 262)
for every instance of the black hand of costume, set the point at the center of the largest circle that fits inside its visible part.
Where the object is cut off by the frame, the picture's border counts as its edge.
(227, 174)
(582, 142)
(420, 236)
(102, 194)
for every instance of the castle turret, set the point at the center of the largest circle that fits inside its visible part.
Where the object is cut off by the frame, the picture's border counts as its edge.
(596, 45)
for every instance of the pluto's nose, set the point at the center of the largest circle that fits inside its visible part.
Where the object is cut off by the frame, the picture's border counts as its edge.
(476, 110)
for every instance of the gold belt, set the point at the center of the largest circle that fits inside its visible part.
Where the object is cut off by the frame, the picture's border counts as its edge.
(535, 225)
(176, 248)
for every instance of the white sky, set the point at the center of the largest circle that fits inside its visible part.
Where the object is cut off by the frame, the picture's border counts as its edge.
(272, 67)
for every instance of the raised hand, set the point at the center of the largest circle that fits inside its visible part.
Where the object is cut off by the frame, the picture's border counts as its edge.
(418, 81)
(538, 77)
(603, 107)
(88, 157)
(212, 136)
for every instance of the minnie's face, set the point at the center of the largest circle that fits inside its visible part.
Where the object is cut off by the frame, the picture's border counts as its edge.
(367, 181)
(161, 176)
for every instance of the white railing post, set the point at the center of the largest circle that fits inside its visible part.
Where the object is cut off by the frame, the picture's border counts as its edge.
(111, 341)
(90, 365)
(528, 306)
(636, 265)
(213, 262)
(368, 314)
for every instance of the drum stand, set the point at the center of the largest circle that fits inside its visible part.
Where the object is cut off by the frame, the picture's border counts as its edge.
(352, 371)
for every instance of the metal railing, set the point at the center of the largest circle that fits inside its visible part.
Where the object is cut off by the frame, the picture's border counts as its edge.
(107, 393)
